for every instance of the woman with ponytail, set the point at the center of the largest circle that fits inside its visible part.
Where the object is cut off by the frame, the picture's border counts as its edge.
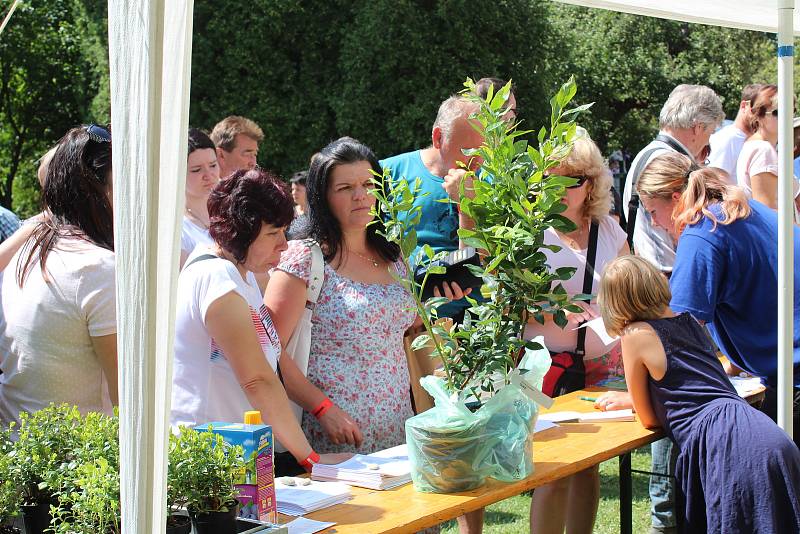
(726, 266)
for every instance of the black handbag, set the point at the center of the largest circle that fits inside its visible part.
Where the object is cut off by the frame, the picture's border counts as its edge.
(567, 371)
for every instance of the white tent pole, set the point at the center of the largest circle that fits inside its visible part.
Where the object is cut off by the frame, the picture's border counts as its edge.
(149, 54)
(785, 214)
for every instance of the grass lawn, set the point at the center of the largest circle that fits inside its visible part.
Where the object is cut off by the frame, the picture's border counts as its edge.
(511, 516)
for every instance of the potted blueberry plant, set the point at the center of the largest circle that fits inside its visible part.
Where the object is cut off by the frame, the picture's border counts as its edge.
(513, 200)
(202, 473)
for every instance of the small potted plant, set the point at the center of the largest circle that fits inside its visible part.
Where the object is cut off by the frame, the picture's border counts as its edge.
(46, 441)
(513, 200)
(88, 487)
(202, 473)
(9, 493)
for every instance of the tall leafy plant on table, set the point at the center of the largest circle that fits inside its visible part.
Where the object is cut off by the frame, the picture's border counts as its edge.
(512, 199)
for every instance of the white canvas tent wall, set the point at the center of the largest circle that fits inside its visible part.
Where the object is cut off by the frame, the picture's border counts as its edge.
(774, 16)
(150, 51)
(150, 57)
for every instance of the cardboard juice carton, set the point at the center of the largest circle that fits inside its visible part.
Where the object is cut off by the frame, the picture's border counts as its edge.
(256, 483)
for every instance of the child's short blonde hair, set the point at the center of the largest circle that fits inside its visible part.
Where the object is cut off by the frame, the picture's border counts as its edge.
(631, 290)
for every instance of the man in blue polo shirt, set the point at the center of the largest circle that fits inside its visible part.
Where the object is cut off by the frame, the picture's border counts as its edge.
(727, 277)
(437, 168)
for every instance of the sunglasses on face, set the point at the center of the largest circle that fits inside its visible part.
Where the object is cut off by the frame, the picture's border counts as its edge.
(581, 180)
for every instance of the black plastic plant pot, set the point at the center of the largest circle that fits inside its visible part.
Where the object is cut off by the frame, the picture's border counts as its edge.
(445, 460)
(8, 529)
(179, 524)
(36, 517)
(216, 522)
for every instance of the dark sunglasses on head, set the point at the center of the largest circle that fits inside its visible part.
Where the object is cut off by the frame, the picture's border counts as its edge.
(98, 134)
(580, 182)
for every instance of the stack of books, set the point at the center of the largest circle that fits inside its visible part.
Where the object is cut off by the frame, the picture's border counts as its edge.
(380, 471)
(298, 496)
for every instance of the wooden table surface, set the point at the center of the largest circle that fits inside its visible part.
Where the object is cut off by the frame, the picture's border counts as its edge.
(557, 453)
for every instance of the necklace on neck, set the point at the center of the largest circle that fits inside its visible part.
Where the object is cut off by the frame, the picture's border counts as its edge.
(574, 238)
(195, 218)
(374, 262)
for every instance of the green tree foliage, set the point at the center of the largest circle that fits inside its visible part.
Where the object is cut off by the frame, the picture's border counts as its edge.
(629, 64)
(309, 72)
(376, 70)
(401, 59)
(45, 88)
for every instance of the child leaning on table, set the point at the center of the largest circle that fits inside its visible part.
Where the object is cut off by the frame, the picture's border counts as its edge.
(737, 470)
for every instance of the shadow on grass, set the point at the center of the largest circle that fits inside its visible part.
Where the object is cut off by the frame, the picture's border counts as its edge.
(497, 517)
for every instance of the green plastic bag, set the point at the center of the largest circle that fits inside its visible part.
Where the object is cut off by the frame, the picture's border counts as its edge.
(452, 449)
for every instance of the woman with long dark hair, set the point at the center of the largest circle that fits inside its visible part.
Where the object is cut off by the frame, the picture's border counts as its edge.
(357, 357)
(58, 332)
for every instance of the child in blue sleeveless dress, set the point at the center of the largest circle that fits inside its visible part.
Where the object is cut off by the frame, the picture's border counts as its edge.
(738, 471)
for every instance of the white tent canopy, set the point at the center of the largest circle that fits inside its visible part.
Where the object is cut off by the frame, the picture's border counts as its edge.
(150, 54)
(759, 15)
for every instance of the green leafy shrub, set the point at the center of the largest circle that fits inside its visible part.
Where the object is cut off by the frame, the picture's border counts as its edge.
(202, 471)
(515, 201)
(88, 494)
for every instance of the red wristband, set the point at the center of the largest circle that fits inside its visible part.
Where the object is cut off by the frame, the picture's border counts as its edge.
(323, 407)
(308, 463)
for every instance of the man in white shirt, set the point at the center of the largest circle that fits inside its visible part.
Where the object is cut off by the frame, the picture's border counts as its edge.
(726, 143)
(689, 116)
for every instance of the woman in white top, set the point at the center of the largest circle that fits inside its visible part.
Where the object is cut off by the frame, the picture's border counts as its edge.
(226, 347)
(202, 174)
(757, 166)
(58, 327)
(572, 502)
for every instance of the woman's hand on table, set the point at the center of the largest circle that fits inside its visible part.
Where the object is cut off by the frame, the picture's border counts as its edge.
(340, 427)
(333, 458)
(614, 400)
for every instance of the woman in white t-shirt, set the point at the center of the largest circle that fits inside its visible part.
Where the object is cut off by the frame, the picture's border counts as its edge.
(573, 501)
(58, 327)
(226, 347)
(202, 174)
(757, 166)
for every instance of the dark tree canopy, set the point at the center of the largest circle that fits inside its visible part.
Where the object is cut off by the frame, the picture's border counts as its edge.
(309, 72)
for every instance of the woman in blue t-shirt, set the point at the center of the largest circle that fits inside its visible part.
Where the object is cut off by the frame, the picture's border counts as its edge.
(726, 267)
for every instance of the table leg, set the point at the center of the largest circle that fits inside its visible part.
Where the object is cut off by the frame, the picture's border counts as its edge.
(625, 495)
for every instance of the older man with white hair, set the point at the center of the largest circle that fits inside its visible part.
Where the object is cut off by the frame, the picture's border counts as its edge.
(689, 117)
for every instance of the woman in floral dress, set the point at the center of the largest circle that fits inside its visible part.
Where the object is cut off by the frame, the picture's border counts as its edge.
(357, 357)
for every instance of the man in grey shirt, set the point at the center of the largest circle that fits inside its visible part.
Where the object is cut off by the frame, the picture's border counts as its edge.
(689, 117)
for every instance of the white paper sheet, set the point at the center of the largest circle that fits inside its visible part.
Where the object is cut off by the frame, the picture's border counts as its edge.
(301, 525)
(596, 325)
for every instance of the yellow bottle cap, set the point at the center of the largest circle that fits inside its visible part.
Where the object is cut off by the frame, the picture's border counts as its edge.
(253, 417)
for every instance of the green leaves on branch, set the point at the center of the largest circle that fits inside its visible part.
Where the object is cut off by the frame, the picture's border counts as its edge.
(515, 199)
(202, 471)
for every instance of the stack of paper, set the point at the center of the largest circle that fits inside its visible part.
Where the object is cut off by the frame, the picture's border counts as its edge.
(588, 417)
(295, 499)
(746, 385)
(381, 470)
